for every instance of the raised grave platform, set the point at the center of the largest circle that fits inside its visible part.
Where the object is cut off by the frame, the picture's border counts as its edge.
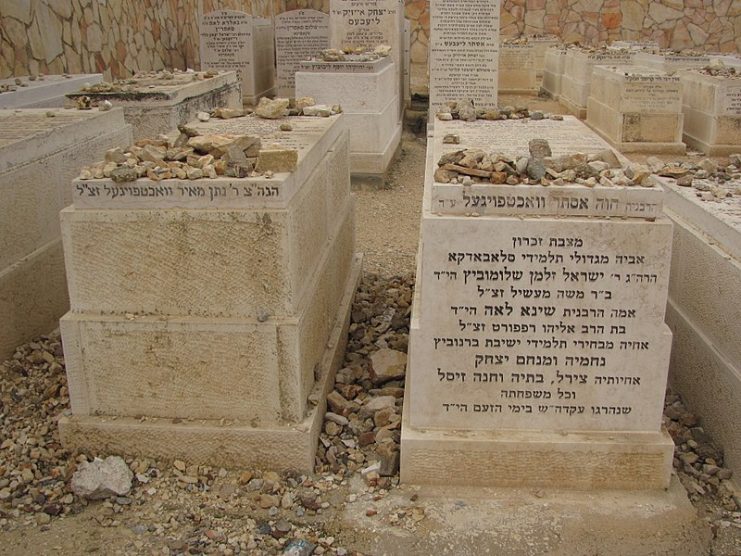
(41, 150)
(157, 103)
(577, 74)
(46, 91)
(517, 69)
(671, 61)
(228, 340)
(542, 43)
(712, 111)
(637, 109)
(368, 94)
(705, 274)
(553, 66)
(538, 355)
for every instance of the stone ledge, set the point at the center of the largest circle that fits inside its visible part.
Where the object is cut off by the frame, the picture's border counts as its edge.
(209, 442)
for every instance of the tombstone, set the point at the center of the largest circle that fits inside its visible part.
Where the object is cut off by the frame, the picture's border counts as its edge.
(464, 52)
(41, 150)
(554, 62)
(158, 102)
(670, 61)
(542, 43)
(236, 41)
(299, 35)
(538, 354)
(577, 74)
(367, 92)
(44, 91)
(406, 59)
(367, 24)
(223, 348)
(517, 73)
(637, 109)
(712, 111)
(706, 269)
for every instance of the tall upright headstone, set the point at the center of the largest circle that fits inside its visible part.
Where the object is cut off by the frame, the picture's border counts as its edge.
(299, 35)
(538, 353)
(464, 51)
(236, 41)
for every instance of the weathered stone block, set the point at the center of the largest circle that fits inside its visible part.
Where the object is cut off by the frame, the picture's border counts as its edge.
(45, 93)
(517, 69)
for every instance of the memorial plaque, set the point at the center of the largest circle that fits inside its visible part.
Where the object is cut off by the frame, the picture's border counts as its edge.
(226, 44)
(299, 35)
(731, 99)
(651, 93)
(541, 324)
(366, 23)
(464, 51)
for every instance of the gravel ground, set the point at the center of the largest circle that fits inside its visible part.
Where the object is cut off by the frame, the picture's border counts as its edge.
(176, 508)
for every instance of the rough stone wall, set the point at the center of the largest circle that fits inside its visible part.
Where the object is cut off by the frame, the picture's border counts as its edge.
(120, 37)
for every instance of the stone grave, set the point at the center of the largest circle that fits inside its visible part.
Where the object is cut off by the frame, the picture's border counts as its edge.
(517, 73)
(671, 61)
(542, 43)
(538, 352)
(43, 91)
(577, 74)
(406, 64)
(637, 109)
(208, 316)
(553, 65)
(368, 24)
(711, 102)
(39, 156)
(157, 102)
(648, 45)
(464, 52)
(367, 92)
(236, 41)
(299, 35)
(705, 276)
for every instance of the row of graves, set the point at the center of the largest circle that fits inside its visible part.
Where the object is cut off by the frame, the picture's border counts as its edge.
(650, 101)
(208, 256)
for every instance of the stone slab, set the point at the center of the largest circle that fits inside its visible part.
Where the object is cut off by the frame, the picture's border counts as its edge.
(671, 62)
(464, 52)
(33, 295)
(553, 66)
(517, 68)
(371, 131)
(344, 83)
(265, 254)
(45, 93)
(637, 89)
(286, 447)
(255, 369)
(236, 41)
(299, 35)
(542, 44)
(364, 164)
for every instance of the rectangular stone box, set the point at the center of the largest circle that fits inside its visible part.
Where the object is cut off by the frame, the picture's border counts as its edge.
(553, 66)
(46, 91)
(266, 252)
(637, 109)
(542, 43)
(670, 62)
(157, 105)
(712, 112)
(39, 155)
(517, 69)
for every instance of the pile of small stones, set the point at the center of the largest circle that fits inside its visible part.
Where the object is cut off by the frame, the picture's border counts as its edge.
(698, 461)
(466, 111)
(354, 54)
(18, 82)
(134, 84)
(720, 70)
(710, 180)
(471, 166)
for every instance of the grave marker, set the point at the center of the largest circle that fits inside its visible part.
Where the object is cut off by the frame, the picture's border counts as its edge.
(299, 35)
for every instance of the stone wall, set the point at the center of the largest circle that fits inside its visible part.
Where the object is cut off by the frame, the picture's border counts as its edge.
(124, 36)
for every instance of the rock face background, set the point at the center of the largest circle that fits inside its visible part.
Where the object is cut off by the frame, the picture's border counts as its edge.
(125, 36)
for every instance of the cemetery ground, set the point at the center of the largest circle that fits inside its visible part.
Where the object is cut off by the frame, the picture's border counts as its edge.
(345, 507)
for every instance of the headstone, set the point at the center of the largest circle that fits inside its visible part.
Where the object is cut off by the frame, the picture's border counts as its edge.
(157, 102)
(41, 150)
(464, 51)
(299, 35)
(538, 354)
(542, 43)
(367, 92)
(228, 375)
(517, 72)
(637, 109)
(711, 103)
(554, 63)
(42, 91)
(236, 41)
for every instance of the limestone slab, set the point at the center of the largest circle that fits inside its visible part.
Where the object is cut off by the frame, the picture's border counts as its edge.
(371, 131)
(155, 106)
(299, 35)
(215, 442)
(670, 61)
(517, 68)
(464, 52)
(236, 41)
(375, 164)
(553, 66)
(44, 93)
(542, 44)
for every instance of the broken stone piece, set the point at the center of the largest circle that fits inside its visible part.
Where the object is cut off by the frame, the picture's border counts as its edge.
(101, 479)
(277, 160)
(387, 364)
(272, 109)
